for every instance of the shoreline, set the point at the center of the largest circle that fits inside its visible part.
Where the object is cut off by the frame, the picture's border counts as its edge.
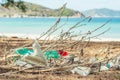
(35, 36)
(55, 17)
(44, 17)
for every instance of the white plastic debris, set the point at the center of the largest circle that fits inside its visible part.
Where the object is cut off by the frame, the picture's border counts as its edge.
(76, 59)
(83, 71)
(23, 64)
(117, 62)
(36, 60)
(114, 63)
(104, 68)
(37, 49)
(37, 57)
(92, 60)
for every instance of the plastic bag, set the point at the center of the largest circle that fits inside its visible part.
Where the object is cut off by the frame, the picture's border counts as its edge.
(23, 64)
(104, 68)
(52, 54)
(83, 71)
(37, 58)
(24, 51)
(37, 49)
(114, 63)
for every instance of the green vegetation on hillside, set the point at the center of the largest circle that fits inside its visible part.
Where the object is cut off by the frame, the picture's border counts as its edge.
(43, 11)
(30, 9)
(11, 3)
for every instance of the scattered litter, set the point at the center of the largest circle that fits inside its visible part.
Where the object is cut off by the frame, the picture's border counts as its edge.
(63, 53)
(38, 52)
(52, 54)
(35, 57)
(92, 60)
(110, 64)
(76, 59)
(83, 71)
(37, 49)
(104, 68)
(23, 64)
(117, 63)
(36, 60)
(24, 51)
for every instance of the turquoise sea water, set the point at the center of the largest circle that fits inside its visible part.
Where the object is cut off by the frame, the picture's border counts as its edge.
(40, 25)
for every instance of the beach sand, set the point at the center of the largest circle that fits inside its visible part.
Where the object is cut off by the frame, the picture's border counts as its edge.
(93, 48)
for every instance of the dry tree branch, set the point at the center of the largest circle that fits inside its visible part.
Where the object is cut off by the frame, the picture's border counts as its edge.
(49, 30)
(83, 38)
(77, 24)
(48, 35)
(54, 37)
(63, 36)
(100, 26)
(100, 33)
(67, 34)
(57, 22)
(54, 27)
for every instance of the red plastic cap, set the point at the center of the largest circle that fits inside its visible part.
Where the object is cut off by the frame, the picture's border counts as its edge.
(63, 53)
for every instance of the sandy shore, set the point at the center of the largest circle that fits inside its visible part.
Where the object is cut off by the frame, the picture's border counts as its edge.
(35, 36)
(92, 48)
(89, 51)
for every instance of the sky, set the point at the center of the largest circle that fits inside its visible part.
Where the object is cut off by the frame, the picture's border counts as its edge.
(79, 5)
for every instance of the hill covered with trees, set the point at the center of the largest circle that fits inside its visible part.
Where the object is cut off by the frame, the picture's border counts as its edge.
(25, 9)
